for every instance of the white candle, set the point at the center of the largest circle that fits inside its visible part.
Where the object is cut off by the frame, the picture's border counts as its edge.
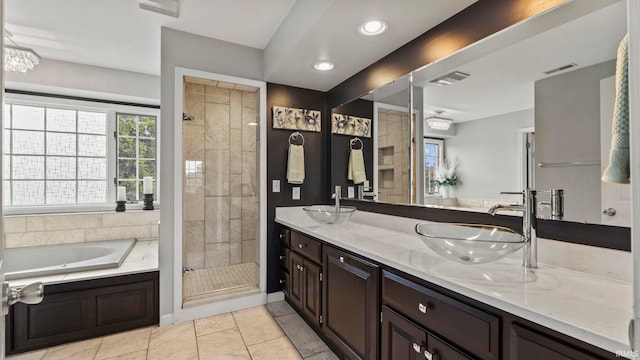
(147, 183)
(121, 195)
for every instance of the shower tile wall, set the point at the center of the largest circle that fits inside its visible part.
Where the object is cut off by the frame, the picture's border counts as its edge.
(220, 194)
(393, 156)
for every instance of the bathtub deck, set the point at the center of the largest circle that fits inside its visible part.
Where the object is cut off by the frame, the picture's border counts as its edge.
(143, 257)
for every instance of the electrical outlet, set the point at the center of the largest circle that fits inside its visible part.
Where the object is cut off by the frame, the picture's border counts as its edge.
(366, 185)
(351, 192)
(275, 186)
(295, 193)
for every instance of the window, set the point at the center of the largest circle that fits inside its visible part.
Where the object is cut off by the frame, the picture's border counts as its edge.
(54, 156)
(59, 157)
(136, 152)
(433, 157)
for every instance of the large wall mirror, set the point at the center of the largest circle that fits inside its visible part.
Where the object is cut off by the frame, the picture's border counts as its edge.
(531, 107)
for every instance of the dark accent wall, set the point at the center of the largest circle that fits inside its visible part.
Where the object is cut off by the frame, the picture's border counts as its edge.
(314, 190)
(340, 146)
(479, 20)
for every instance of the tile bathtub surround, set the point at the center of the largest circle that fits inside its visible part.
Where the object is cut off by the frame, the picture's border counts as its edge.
(55, 229)
(260, 333)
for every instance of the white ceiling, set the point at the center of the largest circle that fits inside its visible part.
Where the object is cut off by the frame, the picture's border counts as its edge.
(294, 33)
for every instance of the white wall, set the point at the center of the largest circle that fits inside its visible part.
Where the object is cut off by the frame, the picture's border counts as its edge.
(180, 49)
(487, 150)
(67, 78)
(567, 111)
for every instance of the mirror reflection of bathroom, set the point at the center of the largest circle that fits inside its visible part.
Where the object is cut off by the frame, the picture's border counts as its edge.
(220, 191)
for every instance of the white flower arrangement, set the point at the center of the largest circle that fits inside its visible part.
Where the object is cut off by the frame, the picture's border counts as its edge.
(446, 173)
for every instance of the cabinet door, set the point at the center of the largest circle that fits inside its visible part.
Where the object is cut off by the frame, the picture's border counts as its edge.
(529, 344)
(351, 305)
(400, 339)
(296, 280)
(312, 291)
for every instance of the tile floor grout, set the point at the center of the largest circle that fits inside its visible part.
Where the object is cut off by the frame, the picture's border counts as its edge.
(302, 339)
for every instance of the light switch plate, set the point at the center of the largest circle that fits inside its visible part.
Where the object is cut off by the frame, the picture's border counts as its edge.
(275, 186)
(295, 193)
(366, 185)
(351, 192)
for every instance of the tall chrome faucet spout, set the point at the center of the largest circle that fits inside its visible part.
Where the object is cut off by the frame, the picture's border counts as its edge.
(529, 224)
(336, 195)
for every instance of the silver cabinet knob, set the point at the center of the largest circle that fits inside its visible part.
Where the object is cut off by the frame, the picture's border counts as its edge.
(428, 355)
(281, 236)
(609, 212)
(301, 268)
(422, 308)
(341, 259)
(30, 294)
(282, 281)
(301, 246)
(282, 257)
(417, 348)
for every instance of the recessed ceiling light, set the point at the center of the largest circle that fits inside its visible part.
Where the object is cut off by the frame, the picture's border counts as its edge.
(323, 65)
(373, 27)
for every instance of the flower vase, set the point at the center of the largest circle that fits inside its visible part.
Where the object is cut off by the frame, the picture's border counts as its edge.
(444, 191)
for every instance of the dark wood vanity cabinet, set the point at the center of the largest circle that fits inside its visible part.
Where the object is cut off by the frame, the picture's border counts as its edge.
(302, 275)
(365, 310)
(351, 303)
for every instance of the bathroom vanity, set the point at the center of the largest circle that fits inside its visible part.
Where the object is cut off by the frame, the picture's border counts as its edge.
(373, 290)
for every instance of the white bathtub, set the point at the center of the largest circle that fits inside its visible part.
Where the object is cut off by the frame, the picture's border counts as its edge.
(61, 259)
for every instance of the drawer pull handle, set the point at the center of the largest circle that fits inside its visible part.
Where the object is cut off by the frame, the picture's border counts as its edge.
(298, 267)
(417, 348)
(301, 268)
(428, 355)
(422, 308)
(342, 259)
(282, 281)
(281, 236)
(282, 257)
(302, 246)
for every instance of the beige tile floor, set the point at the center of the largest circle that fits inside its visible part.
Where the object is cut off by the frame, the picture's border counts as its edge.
(210, 281)
(272, 332)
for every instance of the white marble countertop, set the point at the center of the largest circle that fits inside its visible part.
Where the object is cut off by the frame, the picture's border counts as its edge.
(142, 258)
(593, 309)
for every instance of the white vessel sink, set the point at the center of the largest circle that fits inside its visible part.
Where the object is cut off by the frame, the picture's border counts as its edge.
(468, 243)
(327, 214)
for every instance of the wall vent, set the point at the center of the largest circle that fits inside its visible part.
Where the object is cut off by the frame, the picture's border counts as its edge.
(561, 68)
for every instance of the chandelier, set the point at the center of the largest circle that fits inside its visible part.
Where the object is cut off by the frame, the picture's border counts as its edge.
(17, 58)
(437, 122)
(20, 59)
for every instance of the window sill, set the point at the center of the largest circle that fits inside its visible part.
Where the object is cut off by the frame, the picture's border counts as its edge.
(77, 209)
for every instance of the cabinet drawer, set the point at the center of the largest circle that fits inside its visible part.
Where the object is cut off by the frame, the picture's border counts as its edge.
(440, 350)
(284, 258)
(284, 235)
(474, 330)
(529, 344)
(306, 246)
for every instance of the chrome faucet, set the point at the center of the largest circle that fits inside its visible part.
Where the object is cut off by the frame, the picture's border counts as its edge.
(529, 224)
(336, 195)
(556, 203)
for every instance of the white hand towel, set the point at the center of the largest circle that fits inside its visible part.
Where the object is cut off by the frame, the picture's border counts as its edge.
(618, 170)
(295, 164)
(356, 171)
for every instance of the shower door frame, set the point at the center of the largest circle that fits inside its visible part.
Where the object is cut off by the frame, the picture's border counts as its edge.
(181, 313)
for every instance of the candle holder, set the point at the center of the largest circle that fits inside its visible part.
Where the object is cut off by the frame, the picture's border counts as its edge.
(120, 207)
(148, 202)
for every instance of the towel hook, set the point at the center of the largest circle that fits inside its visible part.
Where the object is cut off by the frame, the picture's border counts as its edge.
(294, 136)
(353, 141)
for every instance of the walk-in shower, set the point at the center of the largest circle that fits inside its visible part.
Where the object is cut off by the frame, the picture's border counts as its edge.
(220, 191)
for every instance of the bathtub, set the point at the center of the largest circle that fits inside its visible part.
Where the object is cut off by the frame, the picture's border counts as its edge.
(27, 262)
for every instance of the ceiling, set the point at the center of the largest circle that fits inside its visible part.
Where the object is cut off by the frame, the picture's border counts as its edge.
(293, 33)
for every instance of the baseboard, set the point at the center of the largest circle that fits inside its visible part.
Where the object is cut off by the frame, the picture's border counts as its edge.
(275, 296)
